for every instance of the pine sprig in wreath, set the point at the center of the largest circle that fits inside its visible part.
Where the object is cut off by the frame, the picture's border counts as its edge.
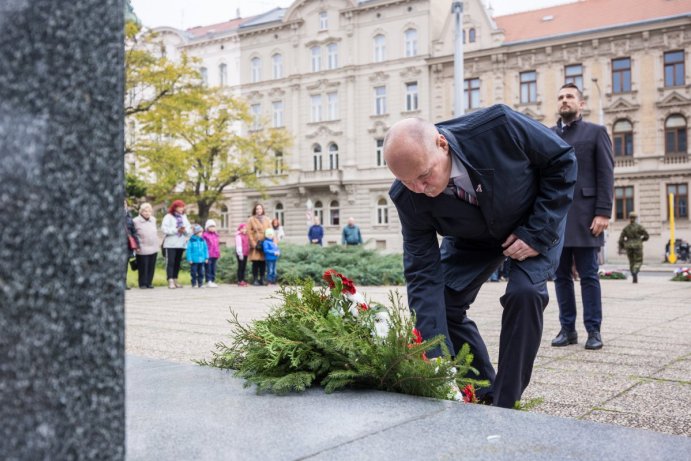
(332, 337)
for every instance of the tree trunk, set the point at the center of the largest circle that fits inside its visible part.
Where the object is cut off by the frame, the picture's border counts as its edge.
(203, 208)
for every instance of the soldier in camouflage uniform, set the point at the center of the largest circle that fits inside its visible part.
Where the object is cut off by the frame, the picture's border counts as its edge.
(631, 239)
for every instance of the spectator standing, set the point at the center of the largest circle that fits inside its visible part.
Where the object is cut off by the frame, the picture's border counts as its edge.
(279, 234)
(631, 240)
(197, 256)
(242, 251)
(271, 254)
(210, 236)
(351, 233)
(586, 221)
(315, 234)
(132, 239)
(256, 226)
(145, 224)
(176, 230)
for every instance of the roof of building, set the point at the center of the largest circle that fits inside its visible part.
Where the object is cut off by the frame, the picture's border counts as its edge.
(585, 15)
(220, 28)
(270, 16)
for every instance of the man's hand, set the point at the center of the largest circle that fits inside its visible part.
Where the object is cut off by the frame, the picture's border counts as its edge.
(600, 223)
(517, 249)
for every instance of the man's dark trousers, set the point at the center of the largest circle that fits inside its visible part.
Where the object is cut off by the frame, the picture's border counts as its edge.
(587, 267)
(519, 341)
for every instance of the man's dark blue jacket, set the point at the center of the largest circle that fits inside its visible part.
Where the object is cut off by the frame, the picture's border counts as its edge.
(524, 177)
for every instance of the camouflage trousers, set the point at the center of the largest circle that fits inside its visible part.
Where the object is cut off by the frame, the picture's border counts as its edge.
(635, 256)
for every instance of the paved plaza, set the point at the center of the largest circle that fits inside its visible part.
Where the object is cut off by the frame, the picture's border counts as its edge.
(640, 379)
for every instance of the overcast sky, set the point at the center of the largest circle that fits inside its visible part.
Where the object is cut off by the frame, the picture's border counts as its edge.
(184, 14)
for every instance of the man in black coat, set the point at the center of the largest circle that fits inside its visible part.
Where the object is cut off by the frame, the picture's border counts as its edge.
(587, 219)
(494, 184)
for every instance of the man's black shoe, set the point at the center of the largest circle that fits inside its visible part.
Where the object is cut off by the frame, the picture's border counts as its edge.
(564, 338)
(594, 341)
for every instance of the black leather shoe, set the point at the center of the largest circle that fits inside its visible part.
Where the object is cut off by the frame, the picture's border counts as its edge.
(594, 341)
(564, 338)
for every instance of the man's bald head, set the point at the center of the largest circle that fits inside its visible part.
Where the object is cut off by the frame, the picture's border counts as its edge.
(408, 137)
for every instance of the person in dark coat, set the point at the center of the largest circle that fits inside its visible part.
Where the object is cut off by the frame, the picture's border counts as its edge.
(494, 184)
(587, 219)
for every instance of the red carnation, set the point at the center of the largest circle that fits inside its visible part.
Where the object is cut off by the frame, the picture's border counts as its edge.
(328, 277)
(469, 394)
(362, 307)
(417, 337)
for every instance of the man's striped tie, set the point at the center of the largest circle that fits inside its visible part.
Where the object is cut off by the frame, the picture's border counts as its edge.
(461, 193)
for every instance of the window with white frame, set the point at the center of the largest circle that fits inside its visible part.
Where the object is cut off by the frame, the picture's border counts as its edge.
(225, 217)
(573, 73)
(204, 75)
(319, 211)
(255, 70)
(380, 152)
(255, 112)
(279, 213)
(411, 96)
(410, 42)
(317, 157)
(334, 213)
(277, 114)
(382, 211)
(471, 93)
(278, 162)
(332, 101)
(316, 53)
(333, 156)
(379, 48)
(379, 100)
(332, 55)
(316, 107)
(222, 74)
(277, 65)
(323, 20)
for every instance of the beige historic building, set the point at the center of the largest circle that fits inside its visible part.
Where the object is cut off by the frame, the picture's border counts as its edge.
(338, 73)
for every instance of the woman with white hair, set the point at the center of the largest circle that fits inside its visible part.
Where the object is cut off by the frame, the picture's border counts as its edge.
(145, 224)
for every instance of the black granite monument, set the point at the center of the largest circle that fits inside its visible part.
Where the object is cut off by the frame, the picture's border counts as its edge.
(62, 241)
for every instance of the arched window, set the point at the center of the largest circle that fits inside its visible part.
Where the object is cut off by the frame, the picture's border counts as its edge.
(334, 218)
(319, 211)
(622, 134)
(675, 134)
(317, 157)
(471, 35)
(279, 213)
(225, 217)
(277, 65)
(333, 156)
(255, 70)
(382, 211)
(222, 74)
(379, 48)
(410, 42)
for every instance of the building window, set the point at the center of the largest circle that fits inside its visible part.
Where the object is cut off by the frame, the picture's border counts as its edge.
(333, 156)
(528, 87)
(621, 75)
(410, 43)
(674, 68)
(380, 152)
(471, 91)
(471, 35)
(675, 135)
(332, 101)
(277, 65)
(316, 53)
(204, 75)
(222, 75)
(317, 157)
(255, 112)
(681, 200)
(380, 100)
(574, 74)
(332, 55)
(622, 134)
(334, 214)
(319, 211)
(411, 96)
(225, 217)
(279, 213)
(379, 48)
(278, 162)
(382, 211)
(277, 114)
(323, 20)
(316, 107)
(623, 202)
(255, 70)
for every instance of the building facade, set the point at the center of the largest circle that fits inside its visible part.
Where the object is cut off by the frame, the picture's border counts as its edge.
(338, 73)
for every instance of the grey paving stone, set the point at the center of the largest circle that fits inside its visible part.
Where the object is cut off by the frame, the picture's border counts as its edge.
(662, 398)
(674, 426)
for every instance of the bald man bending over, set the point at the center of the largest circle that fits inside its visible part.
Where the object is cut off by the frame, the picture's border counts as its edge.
(493, 183)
